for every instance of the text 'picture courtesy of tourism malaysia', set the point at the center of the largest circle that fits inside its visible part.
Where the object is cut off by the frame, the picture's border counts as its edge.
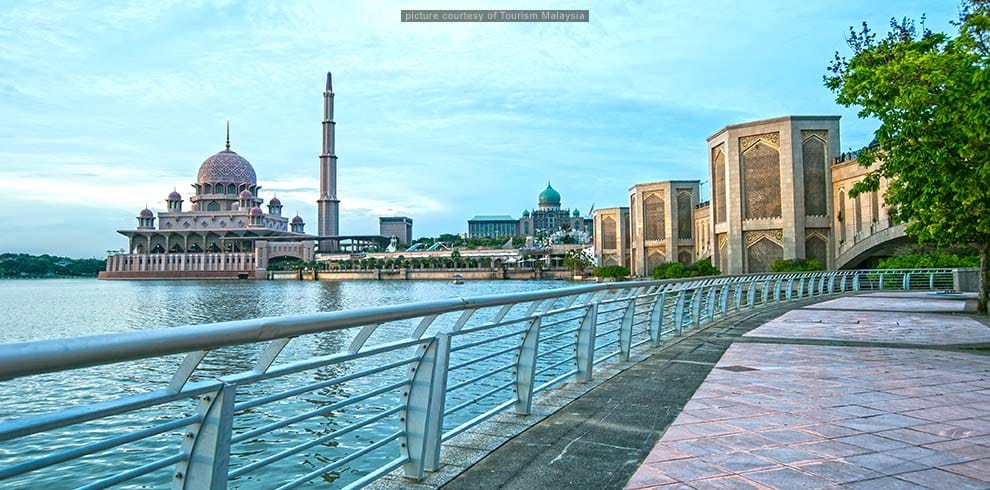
(656, 246)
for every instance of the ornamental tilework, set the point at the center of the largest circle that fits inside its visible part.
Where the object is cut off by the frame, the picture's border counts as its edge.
(761, 181)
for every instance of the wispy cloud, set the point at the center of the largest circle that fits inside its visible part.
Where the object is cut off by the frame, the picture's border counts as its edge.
(105, 106)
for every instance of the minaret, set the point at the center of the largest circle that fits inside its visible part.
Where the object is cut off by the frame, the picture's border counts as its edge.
(328, 205)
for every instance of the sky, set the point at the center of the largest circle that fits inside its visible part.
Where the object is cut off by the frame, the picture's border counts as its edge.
(105, 107)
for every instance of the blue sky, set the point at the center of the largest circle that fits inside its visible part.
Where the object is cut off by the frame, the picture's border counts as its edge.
(105, 106)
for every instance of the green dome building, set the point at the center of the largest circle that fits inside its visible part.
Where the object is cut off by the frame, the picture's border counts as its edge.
(548, 217)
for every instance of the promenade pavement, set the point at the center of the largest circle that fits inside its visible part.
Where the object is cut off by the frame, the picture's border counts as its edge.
(882, 390)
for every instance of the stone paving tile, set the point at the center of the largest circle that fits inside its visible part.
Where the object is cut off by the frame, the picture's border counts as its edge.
(788, 454)
(841, 472)
(685, 470)
(739, 462)
(885, 483)
(647, 477)
(979, 469)
(855, 318)
(734, 482)
(817, 416)
(885, 464)
(936, 478)
(788, 478)
(833, 448)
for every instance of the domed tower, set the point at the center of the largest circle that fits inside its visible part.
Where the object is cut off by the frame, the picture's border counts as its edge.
(297, 224)
(256, 218)
(549, 199)
(146, 219)
(576, 213)
(246, 199)
(275, 206)
(173, 202)
(221, 178)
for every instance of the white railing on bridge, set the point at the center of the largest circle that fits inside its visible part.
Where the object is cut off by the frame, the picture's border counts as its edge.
(408, 378)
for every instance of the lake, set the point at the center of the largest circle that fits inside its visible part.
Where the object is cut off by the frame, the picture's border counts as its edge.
(56, 308)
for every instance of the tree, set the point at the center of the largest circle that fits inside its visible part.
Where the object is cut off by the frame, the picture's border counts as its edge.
(931, 94)
(577, 261)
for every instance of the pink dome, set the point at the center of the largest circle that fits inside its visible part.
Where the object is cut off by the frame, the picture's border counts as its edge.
(174, 196)
(275, 202)
(297, 220)
(255, 212)
(246, 194)
(146, 213)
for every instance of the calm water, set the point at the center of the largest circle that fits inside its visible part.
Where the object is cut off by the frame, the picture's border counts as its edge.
(43, 309)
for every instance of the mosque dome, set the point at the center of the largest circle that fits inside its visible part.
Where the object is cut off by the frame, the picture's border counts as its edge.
(146, 213)
(275, 202)
(174, 196)
(525, 212)
(255, 212)
(576, 213)
(245, 194)
(549, 196)
(226, 166)
(297, 220)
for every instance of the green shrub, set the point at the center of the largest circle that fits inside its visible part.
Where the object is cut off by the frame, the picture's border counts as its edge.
(796, 265)
(611, 271)
(674, 270)
(929, 260)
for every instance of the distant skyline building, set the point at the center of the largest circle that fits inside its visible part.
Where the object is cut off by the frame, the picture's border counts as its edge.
(548, 217)
(397, 226)
(328, 206)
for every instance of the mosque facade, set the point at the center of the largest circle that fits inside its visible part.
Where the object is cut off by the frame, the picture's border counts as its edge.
(228, 230)
(547, 218)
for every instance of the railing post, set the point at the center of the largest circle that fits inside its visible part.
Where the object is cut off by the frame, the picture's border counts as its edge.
(776, 289)
(907, 281)
(711, 304)
(751, 294)
(723, 300)
(586, 344)
(525, 372)
(831, 283)
(855, 281)
(422, 418)
(625, 330)
(696, 306)
(790, 287)
(931, 281)
(881, 282)
(738, 298)
(800, 293)
(656, 318)
(207, 444)
(679, 312)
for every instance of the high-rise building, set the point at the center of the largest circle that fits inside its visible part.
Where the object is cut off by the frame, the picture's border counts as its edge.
(397, 226)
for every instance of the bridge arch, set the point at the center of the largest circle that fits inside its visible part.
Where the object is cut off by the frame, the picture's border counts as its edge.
(880, 243)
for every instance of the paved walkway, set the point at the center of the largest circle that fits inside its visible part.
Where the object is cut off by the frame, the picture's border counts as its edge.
(600, 439)
(899, 398)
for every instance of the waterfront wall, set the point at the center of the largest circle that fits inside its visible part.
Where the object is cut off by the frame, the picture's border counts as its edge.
(435, 275)
(172, 275)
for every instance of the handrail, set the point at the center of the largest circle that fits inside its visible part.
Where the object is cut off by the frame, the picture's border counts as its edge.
(488, 352)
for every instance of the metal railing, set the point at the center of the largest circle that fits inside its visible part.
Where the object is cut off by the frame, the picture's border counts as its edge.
(380, 388)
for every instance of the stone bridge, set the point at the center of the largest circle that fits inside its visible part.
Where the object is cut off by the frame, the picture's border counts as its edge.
(879, 243)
